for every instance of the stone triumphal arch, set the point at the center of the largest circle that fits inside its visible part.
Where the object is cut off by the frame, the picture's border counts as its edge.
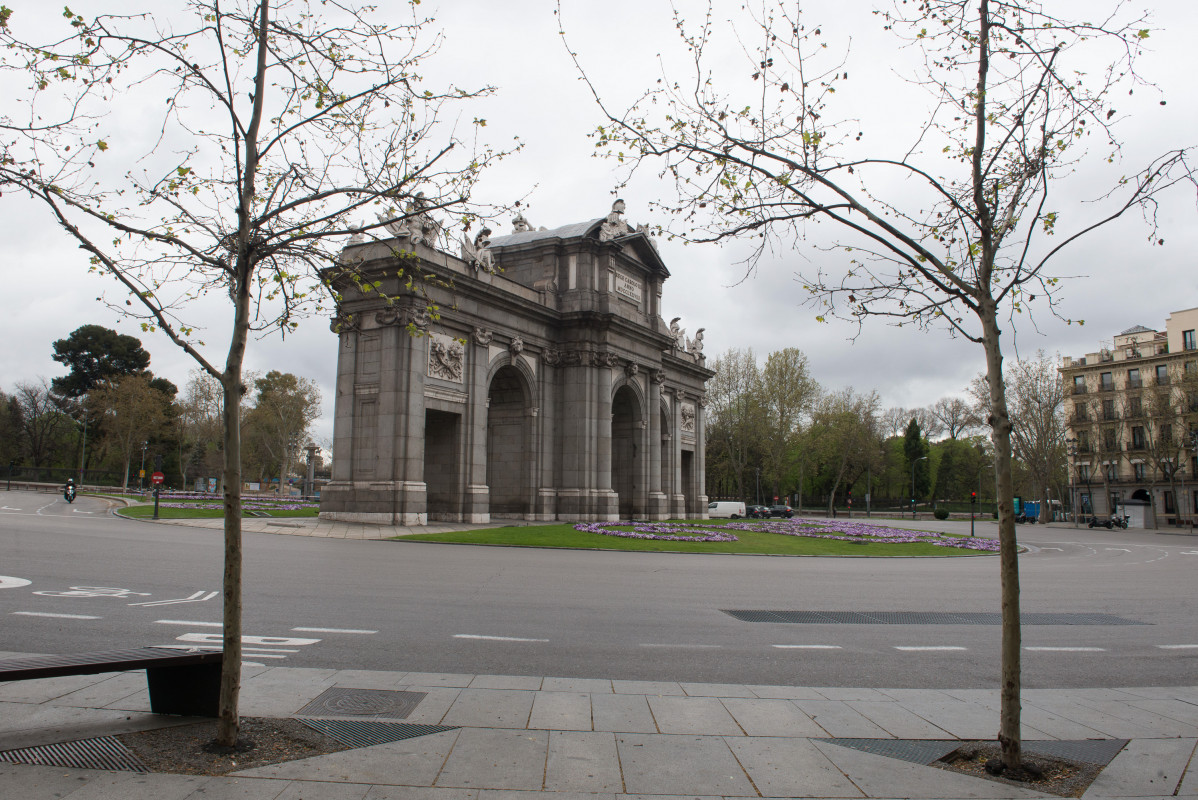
(547, 386)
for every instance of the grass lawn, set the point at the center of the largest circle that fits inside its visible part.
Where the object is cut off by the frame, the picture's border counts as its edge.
(757, 542)
(147, 511)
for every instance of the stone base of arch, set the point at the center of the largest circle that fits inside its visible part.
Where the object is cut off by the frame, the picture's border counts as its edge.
(378, 503)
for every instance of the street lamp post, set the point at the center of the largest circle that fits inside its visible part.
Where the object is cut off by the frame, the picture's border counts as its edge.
(141, 473)
(1071, 450)
(913, 463)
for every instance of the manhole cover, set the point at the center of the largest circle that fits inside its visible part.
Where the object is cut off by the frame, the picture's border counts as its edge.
(373, 703)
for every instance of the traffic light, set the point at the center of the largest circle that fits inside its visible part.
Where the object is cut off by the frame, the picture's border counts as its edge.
(973, 497)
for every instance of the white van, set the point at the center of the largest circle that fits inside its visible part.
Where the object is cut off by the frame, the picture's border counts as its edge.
(725, 509)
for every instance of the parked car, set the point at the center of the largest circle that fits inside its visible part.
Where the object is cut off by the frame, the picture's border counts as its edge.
(725, 509)
(781, 511)
(757, 512)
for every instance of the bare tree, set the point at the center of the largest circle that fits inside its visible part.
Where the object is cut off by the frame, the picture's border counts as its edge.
(958, 230)
(130, 411)
(1038, 423)
(281, 125)
(929, 424)
(956, 416)
(41, 420)
(893, 421)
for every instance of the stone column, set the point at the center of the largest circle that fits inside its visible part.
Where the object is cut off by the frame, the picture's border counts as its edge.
(411, 505)
(678, 498)
(658, 508)
(476, 504)
(547, 477)
(605, 503)
(700, 456)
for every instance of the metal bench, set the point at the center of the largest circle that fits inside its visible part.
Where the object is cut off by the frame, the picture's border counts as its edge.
(183, 682)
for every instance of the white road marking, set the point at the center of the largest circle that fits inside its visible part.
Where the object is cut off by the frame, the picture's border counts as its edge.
(330, 630)
(93, 591)
(1058, 549)
(1178, 646)
(686, 646)
(265, 641)
(189, 622)
(195, 597)
(1118, 549)
(251, 664)
(7, 582)
(1066, 649)
(257, 650)
(266, 655)
(807, 646)
(928, 648)
(1189, 552)
(77, 511)
(495, 638)
(8, 508)
(55, 616)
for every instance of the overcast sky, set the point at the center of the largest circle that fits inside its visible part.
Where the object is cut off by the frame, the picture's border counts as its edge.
(1121, 281)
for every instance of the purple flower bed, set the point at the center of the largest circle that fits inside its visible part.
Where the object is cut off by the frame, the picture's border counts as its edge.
(674, 532)
(842, 530)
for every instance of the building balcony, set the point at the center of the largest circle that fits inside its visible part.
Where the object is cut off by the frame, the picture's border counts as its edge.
(1135, 383)
(1079, 390)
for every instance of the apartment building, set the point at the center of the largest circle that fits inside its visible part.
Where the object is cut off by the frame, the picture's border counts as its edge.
(1132, 424)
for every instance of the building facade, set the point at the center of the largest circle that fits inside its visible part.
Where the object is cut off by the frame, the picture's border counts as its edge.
(533, 378)
(1132, 424)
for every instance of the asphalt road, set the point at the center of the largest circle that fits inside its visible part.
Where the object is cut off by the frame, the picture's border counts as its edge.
(76, 578)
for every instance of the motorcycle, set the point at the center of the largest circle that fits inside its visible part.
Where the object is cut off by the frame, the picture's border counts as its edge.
(1111, 522)
(68, 493)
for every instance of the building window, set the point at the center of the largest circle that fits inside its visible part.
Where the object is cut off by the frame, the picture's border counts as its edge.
(1170, 506)
(1108, 409)
(1137, 437)
(1114, 499)
(1079, 412)
(1191, 367)
(1187, 341)
(1112, 471)
(1166, 437)
(1133, 379)
(1083, 474)
(1162, 375)
(1109, 442)
(1106, 382)
(1079, 384)
(1139, 471)
(1134, 407)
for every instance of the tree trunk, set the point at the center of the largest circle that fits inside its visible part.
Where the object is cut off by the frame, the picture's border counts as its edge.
(1009, 736)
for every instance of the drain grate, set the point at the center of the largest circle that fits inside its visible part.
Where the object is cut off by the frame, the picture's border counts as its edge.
(366, 733)
(104, 752)
(373, 703)
(916, 751)
(929, 751)
(920, 618)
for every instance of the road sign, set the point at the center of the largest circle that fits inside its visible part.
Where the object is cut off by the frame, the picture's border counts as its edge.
(157, 478)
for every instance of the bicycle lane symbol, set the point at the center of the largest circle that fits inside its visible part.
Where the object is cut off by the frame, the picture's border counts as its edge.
(93, 591)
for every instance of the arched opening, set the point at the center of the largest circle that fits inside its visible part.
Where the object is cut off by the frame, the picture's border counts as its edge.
(626, 456)
(442, 465)
(507, 444)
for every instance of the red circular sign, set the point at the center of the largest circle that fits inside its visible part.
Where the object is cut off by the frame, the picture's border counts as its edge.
(157, 478)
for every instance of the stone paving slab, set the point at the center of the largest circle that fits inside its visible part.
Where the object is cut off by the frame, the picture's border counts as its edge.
(493, 708)
(1145, 767)
(622, 713)
(840, 720)
(485, 758)
(583, 761)
(758, 717)
(561, 711)
(784, 767)
(681, 765)
(703, 715)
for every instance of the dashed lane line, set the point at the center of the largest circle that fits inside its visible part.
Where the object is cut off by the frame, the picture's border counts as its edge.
(495, 638)
(332, 630)
(807, 646)
(1065, 649)
(189, 622)
(1178, 646)
(928, 648)
(55, 616)
(683, 646)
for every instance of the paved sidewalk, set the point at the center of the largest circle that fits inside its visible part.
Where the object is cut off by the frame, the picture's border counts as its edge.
(511, 736)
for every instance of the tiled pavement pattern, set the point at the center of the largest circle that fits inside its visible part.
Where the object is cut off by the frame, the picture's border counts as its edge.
(512, 736)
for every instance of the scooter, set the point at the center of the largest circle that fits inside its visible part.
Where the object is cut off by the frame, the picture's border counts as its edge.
(68, 493)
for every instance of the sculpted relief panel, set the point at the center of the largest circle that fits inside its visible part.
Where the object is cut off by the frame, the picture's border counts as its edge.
(445, 357)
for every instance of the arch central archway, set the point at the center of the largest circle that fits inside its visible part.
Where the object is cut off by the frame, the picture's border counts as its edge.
(627, 453)
(508, 444)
